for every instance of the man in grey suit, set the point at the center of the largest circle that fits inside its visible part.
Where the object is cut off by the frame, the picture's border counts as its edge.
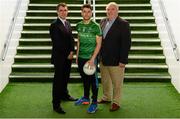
(116, 44)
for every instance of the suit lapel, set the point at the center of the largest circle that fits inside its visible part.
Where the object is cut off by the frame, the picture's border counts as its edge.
(103, 24)
(112, 27)
(62, 27)
(60, 24)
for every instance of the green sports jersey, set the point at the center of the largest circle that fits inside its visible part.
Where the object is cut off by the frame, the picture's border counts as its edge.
(87, 38)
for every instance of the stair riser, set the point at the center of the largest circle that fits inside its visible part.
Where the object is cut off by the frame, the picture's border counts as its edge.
(78, 80)
(53, 14)
(137, 28)
(57, 1)
(123, 1)
(47, 60)
(76, 21)
(49, 43)
(146, 43)
(97, 1)
(97, 8)
(128, 70)
(35, 43)
(157, 52)
(133, 35)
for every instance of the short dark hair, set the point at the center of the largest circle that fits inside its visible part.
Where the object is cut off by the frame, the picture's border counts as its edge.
(86, 6)
(61, 4)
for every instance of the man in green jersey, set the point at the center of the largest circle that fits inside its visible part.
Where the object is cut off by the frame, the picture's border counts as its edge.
(88, 46)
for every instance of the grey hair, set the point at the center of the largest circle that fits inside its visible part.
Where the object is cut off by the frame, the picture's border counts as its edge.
(114, 4)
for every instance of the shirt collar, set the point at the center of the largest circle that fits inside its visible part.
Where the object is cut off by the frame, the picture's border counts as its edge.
(62, 20)
(111, 21)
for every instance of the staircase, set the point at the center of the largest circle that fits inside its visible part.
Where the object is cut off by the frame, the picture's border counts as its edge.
(32, 61)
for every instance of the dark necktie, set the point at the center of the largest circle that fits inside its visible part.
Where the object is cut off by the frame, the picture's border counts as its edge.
(66, 25)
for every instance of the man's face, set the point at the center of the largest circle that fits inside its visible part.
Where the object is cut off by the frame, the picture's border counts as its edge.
(62, 12)
(86, 13)
(112, 12)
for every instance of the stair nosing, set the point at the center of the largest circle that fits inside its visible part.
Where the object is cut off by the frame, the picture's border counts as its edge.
(49, 56)
(46, 31)
(97, 11)
(97, 5)
(79, 18)
(73, 24)
(46, 65)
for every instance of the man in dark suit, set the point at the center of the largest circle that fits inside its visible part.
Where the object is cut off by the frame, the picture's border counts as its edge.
(113, 55)
(62, 55)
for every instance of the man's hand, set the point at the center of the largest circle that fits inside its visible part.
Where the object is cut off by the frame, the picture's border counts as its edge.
(70, 56)
(121, 65)
(91, 62)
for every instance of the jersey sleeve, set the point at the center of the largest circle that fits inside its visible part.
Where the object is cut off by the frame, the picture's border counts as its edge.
(98, 30)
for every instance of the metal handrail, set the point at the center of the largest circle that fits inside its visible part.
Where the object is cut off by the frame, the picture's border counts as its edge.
(94, 8)
(169, 30)
(10, 32)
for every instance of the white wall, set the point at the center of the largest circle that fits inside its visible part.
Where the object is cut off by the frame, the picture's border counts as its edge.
(6, 13)
(7, 10)
(171, 8)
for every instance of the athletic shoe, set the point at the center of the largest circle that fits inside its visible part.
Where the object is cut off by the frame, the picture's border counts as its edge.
(82, 101)
(92, 108)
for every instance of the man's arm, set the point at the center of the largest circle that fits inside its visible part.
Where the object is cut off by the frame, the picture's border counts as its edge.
(77, 50)
(96, 51)
(70, 56)
(125, 43)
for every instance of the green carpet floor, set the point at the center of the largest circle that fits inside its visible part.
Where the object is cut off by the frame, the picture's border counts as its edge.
(146, 100)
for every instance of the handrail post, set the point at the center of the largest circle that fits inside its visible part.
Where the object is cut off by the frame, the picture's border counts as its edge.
(84, 2)
(94, 11)
(89, 2)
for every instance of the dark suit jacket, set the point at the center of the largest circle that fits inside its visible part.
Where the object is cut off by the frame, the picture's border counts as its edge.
(62, 41)
(116, 44)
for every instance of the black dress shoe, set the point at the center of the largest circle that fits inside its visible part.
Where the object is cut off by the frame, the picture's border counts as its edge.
(59, 110)
(70, 98)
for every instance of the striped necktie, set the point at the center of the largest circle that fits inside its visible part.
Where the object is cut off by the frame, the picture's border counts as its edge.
(66, 25)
